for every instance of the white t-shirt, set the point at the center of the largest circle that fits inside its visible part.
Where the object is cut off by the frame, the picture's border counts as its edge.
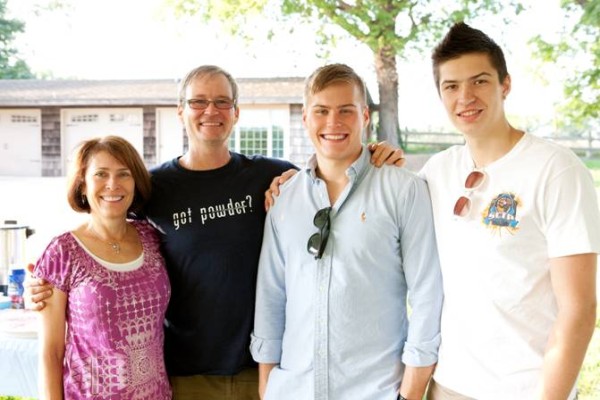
(537, 202)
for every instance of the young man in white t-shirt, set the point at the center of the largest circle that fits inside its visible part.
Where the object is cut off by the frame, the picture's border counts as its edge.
(518, 231)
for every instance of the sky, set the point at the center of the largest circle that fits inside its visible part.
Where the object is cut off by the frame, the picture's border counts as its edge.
(137, 39)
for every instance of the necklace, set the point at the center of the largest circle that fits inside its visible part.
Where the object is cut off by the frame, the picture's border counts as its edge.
(114, 245)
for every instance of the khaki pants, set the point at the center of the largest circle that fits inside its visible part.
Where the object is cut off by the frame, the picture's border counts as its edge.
(439, 392)
(243, 386)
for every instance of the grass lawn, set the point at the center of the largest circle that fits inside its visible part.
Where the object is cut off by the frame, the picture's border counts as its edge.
(589, 381)
(594, 166)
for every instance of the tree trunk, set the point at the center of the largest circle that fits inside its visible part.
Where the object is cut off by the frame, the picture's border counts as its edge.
(387, 81)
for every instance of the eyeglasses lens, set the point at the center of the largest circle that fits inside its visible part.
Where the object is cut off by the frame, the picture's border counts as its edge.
(474, 180)
(314, 244)
(462, 206)
(322, 218)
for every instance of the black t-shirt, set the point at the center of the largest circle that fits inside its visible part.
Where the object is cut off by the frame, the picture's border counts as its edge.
(211, 225)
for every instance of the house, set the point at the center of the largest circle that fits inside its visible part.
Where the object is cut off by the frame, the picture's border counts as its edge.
(41, 121)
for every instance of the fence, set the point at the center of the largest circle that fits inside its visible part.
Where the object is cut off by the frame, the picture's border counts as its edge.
(430, 141)
(584, 147)
(436, 141)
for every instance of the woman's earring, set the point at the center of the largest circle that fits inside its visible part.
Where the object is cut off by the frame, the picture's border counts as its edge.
(83, 199)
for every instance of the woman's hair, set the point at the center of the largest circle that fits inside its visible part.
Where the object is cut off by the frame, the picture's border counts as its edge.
(122, 151)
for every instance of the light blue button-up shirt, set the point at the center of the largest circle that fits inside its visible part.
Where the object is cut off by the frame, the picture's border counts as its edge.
(338, 327)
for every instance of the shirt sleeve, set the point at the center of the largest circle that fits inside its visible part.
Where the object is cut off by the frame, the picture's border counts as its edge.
(269, 321)
(571, 213)
(423, 277)
(53, 265)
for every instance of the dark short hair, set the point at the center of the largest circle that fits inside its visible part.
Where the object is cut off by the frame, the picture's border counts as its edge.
(328, 75)
(121, 150)
(206, 71)
(461, 39)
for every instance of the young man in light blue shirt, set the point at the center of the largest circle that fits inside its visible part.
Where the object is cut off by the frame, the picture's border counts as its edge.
(345, 246)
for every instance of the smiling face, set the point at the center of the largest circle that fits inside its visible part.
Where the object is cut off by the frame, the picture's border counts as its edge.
(109, 186)
(335, 119)
(472, 94)
(211, 126)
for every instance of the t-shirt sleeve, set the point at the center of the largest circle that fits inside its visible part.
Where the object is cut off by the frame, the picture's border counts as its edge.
(571, 214)
(282, 166)
(53, 265)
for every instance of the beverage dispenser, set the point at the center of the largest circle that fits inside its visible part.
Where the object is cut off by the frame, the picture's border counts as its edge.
(12, 250)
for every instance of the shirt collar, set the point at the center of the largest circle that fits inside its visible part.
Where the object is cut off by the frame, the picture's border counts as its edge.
(354, 171)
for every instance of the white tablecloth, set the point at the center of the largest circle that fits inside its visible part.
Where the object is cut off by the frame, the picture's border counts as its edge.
(18, 358)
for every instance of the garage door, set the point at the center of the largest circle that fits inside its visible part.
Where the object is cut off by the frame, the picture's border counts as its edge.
(20, 143)
(82, 124)
(169, 134)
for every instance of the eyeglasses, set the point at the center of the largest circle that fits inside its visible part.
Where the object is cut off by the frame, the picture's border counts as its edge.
(317, 242)
(474, 181)
(202, 104)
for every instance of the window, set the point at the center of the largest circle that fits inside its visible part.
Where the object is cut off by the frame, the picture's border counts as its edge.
(278, 144)
(23, 119)
(254, 141)
(117, 117)
(124, 118)
(85, 118)
(261, 132)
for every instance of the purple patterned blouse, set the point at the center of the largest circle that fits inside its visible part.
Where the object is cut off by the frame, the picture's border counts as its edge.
(114, 341)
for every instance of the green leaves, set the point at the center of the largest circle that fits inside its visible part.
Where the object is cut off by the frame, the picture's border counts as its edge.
(11, 67)
(577, 51)
(391, 29)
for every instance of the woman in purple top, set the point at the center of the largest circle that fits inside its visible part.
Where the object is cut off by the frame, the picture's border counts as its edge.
(101, 334)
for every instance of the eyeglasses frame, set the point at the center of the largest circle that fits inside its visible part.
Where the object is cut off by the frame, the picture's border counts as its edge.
(230, 104)
(323, 235)
(465, 200)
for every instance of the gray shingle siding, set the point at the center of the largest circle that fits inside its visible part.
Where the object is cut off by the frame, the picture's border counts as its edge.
(51, 147)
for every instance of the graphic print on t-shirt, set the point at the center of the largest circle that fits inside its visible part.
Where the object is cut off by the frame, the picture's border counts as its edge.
(203, 215)
(501, 214)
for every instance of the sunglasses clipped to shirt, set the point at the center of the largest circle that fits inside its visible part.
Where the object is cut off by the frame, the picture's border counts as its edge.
(474, 180)
(317, 242)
